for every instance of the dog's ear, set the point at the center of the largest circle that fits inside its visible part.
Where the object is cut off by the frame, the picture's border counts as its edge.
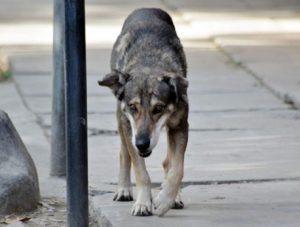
(178, 86)
(115, 81)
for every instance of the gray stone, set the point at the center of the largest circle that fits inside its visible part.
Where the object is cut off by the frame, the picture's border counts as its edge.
(19, 189)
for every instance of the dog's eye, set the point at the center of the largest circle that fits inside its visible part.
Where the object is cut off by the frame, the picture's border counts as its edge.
(158, 109)
(132, 108)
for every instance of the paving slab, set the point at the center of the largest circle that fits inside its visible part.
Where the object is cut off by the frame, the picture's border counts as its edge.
(98, 123)
(211, 155)
(97, 62)
(231, 6)
(260, 204)
(101, 104)
(272, 59)
(41, 85)
(207, 19)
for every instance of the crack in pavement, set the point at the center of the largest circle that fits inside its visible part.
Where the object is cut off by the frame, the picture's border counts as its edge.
(38, 119)
(185, 184)
(107, 132)
(285, 98)
(196, 111)
(95, 192)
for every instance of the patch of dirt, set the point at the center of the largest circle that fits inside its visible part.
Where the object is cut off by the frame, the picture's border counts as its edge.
(50, 213)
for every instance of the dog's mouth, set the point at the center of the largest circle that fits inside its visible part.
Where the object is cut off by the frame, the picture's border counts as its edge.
(145, 154)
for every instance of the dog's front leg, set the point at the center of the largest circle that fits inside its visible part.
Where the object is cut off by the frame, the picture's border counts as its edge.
(143, 204)
(177, 141)
(124, 191)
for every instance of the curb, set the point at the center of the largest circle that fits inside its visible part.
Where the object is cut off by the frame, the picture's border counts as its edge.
(97, 219)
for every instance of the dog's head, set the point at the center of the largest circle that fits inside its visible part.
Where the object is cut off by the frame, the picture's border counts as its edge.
(148, 102)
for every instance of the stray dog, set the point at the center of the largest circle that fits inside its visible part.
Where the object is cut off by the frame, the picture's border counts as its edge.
(148, 77)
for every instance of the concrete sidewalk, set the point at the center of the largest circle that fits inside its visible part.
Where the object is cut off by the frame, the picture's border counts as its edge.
(242, 163)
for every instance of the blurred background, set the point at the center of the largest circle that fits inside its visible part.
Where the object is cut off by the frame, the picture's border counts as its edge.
(242, 162)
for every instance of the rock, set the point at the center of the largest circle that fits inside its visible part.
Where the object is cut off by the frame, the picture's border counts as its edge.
(19, 188)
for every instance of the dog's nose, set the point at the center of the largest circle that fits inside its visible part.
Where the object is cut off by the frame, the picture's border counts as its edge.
(142, 143)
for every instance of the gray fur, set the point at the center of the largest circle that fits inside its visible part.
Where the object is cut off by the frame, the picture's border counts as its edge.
(148, 40)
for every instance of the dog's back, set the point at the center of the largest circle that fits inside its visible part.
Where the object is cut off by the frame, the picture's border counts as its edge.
(148, 39)
(147, 16)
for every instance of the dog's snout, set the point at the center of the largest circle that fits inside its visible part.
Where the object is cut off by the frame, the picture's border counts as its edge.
(142, 143)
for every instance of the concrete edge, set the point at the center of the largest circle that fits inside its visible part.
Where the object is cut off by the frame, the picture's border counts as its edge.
(5, 67)
(97, 219)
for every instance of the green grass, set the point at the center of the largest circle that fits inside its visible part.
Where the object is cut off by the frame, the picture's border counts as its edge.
(5, 72)
(5, 75)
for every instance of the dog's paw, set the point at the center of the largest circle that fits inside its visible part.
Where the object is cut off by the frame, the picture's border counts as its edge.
(162, 203)
(141, 210)
(123, 195)
(143, 204)
(178, 204)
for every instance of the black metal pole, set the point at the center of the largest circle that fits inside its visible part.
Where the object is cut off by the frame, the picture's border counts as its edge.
(58, 141)
(76, 118)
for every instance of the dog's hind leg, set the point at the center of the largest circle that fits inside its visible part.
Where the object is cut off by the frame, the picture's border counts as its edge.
(178, 204)
(177, 141)
(124, 191)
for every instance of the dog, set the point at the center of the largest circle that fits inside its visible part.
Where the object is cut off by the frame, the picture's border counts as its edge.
(148, 78)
